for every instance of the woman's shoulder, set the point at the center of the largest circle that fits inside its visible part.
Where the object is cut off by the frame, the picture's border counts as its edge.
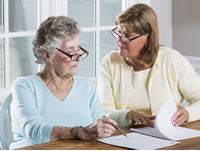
(85, 82)
(113, 55)
(25, 80)
(168, 53)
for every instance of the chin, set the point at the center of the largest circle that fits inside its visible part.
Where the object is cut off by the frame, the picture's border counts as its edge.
(121, 53)
(74, 73)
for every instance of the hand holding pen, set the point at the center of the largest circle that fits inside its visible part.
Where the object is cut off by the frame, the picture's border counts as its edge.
(102, 127)
(119, 130)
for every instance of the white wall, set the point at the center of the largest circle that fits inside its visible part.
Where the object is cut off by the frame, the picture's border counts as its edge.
(186, 27)
(163, 9)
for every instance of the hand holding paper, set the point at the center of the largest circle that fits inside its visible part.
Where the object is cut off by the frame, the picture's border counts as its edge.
(164, 127)
(180, 116)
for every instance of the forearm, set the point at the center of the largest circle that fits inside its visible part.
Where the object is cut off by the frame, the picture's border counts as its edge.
(117, 115)
(193, 110)
(59, 132)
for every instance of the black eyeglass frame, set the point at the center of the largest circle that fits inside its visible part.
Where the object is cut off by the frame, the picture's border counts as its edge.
(79, 55)
(113, 31)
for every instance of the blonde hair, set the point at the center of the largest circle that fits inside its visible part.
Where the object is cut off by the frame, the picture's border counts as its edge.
(142, 19)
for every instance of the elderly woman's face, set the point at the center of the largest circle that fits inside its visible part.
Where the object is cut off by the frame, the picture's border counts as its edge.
(131, 49)
(61, 63)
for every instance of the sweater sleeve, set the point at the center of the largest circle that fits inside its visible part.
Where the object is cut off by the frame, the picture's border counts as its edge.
(106, 95)
(189, 86)
(25, 117)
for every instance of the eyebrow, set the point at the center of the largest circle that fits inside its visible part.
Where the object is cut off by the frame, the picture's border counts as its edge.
(73, 47)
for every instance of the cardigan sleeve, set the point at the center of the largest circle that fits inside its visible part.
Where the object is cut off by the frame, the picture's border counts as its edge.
(105, 89)
(189, 86)
(25, 117)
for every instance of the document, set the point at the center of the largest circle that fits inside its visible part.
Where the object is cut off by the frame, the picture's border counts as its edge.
(137, 141)
(164, 134)
(163, 125)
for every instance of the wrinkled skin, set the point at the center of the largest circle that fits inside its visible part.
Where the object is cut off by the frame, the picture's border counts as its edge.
(102, 127)
(134, 117)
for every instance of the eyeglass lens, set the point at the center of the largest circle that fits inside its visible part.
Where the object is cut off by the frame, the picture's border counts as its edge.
(82, 56)
(116, 35)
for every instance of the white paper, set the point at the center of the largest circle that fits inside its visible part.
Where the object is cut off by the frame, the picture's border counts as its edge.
(137, 141)
(163, 125)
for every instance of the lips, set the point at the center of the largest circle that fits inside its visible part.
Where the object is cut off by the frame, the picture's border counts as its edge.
(74, 66)
(120, 47)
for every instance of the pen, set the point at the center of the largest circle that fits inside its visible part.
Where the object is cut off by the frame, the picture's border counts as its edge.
(119, 130)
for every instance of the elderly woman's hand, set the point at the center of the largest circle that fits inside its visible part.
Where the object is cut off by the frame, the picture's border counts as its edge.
(181, 116)
(133, 117)
(102, 127)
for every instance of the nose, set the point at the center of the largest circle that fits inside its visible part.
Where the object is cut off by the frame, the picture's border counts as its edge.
(120, 39)
(78, 58)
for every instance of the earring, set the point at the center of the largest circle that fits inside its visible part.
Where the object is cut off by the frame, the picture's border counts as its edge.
(146, 45)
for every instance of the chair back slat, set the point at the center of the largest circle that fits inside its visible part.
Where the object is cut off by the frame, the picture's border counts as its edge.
(5, 106)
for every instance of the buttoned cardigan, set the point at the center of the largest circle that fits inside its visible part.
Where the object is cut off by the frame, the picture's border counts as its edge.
(170, 75)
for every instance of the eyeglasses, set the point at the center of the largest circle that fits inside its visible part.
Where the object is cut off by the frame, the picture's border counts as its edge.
(75, 57)
(115, 34)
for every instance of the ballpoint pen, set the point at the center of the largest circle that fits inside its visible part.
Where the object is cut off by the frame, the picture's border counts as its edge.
(119, 130)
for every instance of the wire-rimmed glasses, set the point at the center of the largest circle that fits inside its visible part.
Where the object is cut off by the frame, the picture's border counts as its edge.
(75, 57)
(115, 34)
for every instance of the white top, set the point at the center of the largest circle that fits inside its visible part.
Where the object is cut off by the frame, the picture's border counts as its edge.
(138, 98)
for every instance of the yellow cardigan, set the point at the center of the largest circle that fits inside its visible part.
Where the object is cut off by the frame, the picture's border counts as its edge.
(171, 75)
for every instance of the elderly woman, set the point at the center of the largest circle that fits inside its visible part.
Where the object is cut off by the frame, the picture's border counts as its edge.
(54, 104)
(135, 80)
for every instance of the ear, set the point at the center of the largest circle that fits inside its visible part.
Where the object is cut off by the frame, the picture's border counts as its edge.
(46, 56)
(148, 38)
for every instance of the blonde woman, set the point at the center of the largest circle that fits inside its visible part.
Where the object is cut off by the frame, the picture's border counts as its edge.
(135, 80)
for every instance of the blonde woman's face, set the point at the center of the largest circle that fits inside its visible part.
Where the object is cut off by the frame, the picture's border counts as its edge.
(131, 49)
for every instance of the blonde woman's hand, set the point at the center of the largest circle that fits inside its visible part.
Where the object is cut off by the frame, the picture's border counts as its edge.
(134, 117)
(181, 116)
(102, 127)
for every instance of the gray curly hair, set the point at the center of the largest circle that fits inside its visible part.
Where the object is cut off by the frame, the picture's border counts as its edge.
(51, 33)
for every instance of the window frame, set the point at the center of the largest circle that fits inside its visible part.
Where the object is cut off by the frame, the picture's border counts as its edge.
(58, 7)
(48, 8)
(6, 36)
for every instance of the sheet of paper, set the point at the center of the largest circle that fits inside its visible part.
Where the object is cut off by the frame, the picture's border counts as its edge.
(148, 131)
(163, 124)
(138, 141)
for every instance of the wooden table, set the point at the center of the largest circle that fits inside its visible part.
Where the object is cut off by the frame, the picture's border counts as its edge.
(188, 144)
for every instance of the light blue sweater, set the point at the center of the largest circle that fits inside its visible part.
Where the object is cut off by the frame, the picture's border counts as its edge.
(35, 110)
